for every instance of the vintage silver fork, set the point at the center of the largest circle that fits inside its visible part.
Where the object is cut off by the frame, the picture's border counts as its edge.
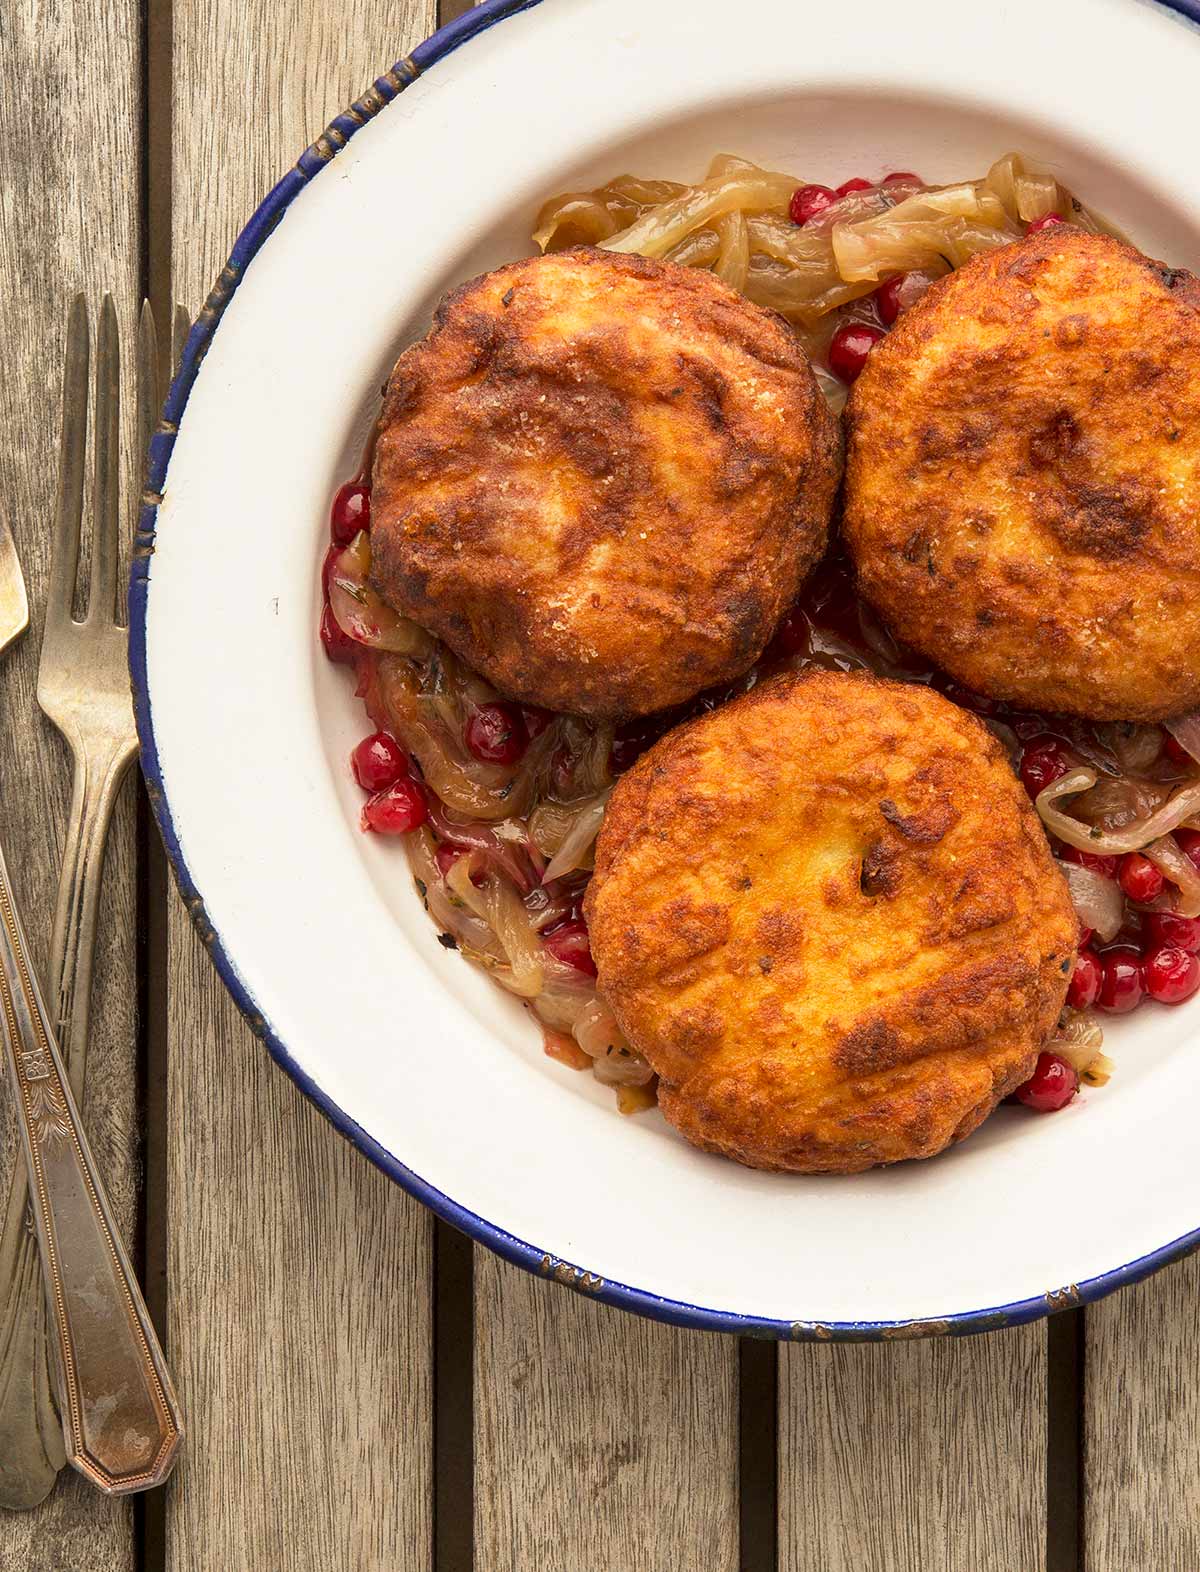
(119, 1413)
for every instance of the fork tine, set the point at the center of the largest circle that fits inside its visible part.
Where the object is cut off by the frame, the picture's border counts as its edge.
(64, 557)
(106, 498)
(147, 382)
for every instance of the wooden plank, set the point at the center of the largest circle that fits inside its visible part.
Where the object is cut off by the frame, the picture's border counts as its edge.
(299, 1316)
(601, 1440)
(1142, 1427)
(69, 220)
(914, 1457)
(298, 1276)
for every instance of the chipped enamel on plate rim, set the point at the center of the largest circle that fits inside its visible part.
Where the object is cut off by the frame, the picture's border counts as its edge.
(245, 728)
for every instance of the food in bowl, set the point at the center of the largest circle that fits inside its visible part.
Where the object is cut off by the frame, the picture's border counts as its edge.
(872, 947)
(1022, 476)
(840, 264)
(601, 481)
(498, 802)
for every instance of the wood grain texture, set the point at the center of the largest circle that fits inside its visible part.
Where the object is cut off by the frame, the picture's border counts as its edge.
(601, 1440)
(298, 1276)
(1142, 1427)
(70, 129)
(914, 1457)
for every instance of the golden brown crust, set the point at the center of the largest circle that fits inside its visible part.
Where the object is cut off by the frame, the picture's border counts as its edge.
(828, 916)
(601, 480)
(1022, 477)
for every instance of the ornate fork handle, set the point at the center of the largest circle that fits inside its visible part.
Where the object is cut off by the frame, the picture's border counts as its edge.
(122, 1419)
(31, 1437)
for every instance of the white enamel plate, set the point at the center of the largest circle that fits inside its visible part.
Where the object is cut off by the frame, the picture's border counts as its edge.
(435, 175)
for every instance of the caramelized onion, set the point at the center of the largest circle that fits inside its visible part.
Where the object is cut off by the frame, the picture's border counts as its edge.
(589, 745)
(588, 217)
(1135, 747)
(835, 390)
(798, 296)
(566, 992)
(733, 256)
(1115, 802)
(1186, 732)
(804, 250)
(574, 849)
(1099, 1070)
(1173, 813)
(499, 905)
(894, 247)
(499, 853)
(550, 823)
(953, 223)
(452, 689)
(580, 218)
(1078, 1039)
(699, 249)
(622, 1067)
(472, 933)
(1098, 902)
(1170, 859)
(547, 909)
(794, 271)
(753, 191)
(736, 222)
(1026, 191)
(917, 280)
(479, 791)
(518, 937)
(644, 193)
(615, 1062)
(359, 611)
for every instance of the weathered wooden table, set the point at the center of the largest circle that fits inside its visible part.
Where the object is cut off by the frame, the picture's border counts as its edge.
(364, 1391)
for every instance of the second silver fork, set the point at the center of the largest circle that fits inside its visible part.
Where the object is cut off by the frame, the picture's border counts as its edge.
(83, 687)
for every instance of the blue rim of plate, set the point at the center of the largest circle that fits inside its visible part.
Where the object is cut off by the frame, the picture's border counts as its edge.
(528, 1256)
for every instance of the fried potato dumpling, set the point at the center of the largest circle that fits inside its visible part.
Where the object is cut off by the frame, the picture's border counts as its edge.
(828, 917)
(1022, 494)
(601, 480)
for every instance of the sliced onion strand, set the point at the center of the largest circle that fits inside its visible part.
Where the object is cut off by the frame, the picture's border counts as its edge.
(1172, 861)
(1135, 837)
(1098, 901)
